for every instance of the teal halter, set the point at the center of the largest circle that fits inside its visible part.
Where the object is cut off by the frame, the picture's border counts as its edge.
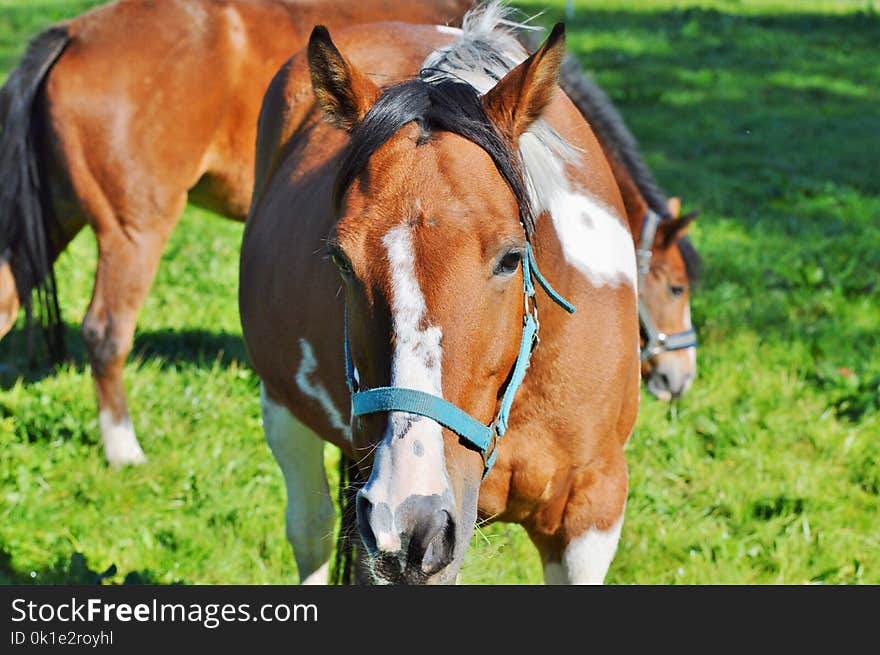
(482, 437)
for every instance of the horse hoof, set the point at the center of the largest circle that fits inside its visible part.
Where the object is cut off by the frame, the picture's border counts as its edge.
(118, 461)
(121, 446)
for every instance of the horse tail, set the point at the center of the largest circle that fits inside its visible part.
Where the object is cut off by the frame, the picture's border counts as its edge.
(344, 562)
(610, 128)
(25, 205)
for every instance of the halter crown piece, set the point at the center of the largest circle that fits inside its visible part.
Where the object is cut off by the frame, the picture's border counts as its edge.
(656, 341)
(483, 438)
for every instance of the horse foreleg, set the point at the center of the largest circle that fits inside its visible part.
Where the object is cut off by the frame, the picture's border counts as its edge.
(583, 548)
(126, 268)
(310, 515)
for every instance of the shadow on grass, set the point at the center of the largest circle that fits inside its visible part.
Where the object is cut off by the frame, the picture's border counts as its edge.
(194, 347)
(737, 110)
(72, 571)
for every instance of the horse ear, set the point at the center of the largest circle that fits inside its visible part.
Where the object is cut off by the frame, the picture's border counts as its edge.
(675, 228)
(674, 206)
(521, 96)
(343, 92)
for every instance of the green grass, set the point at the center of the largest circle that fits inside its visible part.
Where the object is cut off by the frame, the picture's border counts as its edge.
(763, 115)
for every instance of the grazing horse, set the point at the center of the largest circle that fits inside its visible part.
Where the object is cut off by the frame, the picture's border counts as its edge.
(115, 119)
(410, 183)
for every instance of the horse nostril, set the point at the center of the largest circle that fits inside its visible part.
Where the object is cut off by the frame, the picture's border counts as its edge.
(364, 509)
(434, 544)
(664, 380)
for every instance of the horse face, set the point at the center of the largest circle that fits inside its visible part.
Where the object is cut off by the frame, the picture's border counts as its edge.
(430, 253)
(666, 292)
(9, 302)
(429, 244)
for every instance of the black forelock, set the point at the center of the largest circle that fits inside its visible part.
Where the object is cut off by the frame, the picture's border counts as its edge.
(444, 105)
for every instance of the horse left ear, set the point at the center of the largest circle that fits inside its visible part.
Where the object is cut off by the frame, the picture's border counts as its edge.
(343, 92)
(520, 97)
(672, 230)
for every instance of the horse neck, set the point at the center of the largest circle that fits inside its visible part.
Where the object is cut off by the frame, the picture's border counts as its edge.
(633, 201)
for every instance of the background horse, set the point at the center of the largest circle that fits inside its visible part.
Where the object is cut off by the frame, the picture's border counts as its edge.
(122, 148)
(429, 194)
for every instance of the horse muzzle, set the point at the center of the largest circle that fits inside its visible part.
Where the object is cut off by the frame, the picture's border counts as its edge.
(413, 544)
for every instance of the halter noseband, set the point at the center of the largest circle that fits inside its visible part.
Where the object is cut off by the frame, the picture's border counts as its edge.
(656, 342)
(482, 437)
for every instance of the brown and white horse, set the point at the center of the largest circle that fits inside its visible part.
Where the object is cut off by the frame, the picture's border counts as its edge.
(403, 174)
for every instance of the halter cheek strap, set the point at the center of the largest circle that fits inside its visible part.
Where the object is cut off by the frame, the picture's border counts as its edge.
(479, 436)
(656, 342)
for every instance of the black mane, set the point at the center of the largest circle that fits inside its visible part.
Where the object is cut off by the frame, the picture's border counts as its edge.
(445, 105)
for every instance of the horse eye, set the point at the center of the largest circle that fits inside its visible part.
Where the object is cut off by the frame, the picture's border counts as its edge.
(676, 291)
(341, 262)
(509, 263)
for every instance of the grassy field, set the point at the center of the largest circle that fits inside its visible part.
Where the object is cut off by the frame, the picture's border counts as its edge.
(763, 115)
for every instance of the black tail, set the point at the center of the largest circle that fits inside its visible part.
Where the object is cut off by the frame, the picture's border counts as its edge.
(610, 128)
(25, 206)
(345, 560)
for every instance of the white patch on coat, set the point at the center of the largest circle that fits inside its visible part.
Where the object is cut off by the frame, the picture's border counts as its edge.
(237, 30)
(398, 472)
(310, 514)
(319, 577)
(586, 559)
(121, 446)
(311, 387)
(593, 239)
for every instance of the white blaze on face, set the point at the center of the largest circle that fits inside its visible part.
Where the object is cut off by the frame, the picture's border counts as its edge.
(410, 459)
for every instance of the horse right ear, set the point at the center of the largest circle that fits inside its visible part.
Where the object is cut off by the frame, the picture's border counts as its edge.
(520, 97)
(343, 92)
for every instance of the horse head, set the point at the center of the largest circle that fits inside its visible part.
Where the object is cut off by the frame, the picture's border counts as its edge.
(430, 243)
(669, 368)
